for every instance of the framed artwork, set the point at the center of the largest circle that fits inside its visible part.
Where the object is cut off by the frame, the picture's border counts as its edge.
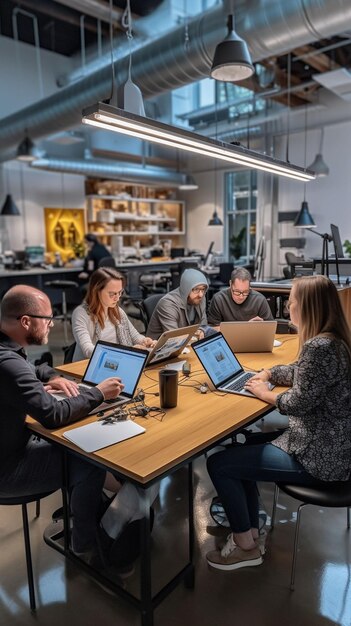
(64, 231)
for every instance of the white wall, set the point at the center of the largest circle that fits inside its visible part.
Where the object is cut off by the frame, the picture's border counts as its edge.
(41, 189)
(19, 76)
(200, 206)
(329, 198)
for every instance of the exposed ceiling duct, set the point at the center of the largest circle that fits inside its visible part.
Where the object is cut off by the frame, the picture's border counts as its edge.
(167, 63)
(115, 171)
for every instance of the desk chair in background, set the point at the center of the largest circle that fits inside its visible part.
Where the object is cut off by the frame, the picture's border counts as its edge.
(146, 308)
(222, 280)
(107, 261)
(66, 287)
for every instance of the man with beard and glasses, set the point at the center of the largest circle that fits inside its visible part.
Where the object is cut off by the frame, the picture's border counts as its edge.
(29, 465)
(181, 307)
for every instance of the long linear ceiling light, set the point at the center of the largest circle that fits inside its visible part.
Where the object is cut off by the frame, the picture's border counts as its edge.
(110, 118)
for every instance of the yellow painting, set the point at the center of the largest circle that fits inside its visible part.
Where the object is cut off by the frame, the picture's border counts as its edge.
(64, 228)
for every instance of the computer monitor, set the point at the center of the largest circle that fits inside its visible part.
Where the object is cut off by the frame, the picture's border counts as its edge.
(177, 253)
(207, 258)
(35, 255)
(339, 251)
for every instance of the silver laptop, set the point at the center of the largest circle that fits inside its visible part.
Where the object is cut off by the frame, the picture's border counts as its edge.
(249, 336)
(221, 365)
(171, 343)
(108, 360)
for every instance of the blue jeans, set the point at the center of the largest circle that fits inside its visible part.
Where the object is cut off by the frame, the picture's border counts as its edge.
(234, 473)
(39, 469)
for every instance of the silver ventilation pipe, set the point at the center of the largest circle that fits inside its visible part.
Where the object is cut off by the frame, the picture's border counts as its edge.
(166, 63)
(114, 171)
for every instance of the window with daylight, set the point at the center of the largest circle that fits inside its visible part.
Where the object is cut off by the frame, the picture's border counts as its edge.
(241, 203)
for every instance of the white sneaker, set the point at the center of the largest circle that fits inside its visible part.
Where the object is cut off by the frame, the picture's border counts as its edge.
(233, 557)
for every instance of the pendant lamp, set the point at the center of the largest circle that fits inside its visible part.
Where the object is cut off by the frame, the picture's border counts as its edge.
(232, 60)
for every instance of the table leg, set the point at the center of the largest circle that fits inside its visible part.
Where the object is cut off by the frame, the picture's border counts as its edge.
(147, 617)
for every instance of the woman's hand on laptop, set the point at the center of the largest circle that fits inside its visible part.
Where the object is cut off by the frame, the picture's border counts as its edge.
(263, 375)
(261, 389)
(257, 318)
(111, 388)
(58, 383)
(149, 343)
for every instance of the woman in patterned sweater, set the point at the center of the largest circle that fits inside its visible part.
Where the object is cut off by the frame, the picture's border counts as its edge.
(100, 316)
(316, 446)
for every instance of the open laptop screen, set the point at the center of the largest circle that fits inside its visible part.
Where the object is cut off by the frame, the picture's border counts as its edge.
(217, 358)
(109, 359)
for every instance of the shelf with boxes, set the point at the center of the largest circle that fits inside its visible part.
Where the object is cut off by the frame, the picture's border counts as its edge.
(134, 217)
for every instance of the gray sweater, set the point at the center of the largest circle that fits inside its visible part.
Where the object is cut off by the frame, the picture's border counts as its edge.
(224, 309)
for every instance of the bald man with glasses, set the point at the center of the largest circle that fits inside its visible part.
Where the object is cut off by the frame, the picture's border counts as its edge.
(28, 465)
(239, 303)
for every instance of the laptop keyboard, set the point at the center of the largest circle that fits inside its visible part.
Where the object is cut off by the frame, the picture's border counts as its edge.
(238, 385)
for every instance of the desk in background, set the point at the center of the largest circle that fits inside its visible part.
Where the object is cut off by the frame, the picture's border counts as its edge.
(198, 423)
(280, 290)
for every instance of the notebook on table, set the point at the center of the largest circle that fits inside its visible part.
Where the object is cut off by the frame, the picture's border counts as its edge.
(249, 336)
(171, 343)
(221, 365)
(108, 360)
(98, 435)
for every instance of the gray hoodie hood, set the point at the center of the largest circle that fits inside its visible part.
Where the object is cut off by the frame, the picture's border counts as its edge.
(189, 279)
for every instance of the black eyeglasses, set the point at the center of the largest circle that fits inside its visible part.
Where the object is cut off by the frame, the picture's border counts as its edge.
(49, 318)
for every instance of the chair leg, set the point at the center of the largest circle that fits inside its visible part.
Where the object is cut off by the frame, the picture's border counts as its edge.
(274, 508)
(296, 543)
(348, 517)
(28, 558)
(37, 508)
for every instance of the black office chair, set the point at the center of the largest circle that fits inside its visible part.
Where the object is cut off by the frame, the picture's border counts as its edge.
(107, 261)
(222, 280)
(65, 287)
(333, 494)
(68, 352)
(146, 307)
(23, 501)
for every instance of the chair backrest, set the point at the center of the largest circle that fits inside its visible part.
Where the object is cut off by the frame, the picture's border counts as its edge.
(150, 303)
(68, 352)
(107, 261)
(290, 258)
(225, 272)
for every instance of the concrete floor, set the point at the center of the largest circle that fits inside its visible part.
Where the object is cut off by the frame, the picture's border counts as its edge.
(259, 596)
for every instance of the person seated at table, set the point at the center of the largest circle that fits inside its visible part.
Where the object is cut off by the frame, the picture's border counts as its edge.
(101, 317)
(96, 252)
(181, 307)
(29, 465)
(239, 303)
(316, 445)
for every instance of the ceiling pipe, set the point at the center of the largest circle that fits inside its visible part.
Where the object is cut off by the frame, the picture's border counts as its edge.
(117, 171)
(166, 64)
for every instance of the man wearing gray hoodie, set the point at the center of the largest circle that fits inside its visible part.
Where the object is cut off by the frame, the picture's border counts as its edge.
(183, 306)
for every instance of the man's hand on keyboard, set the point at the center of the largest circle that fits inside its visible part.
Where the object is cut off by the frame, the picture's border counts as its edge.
(111, 387)
(68, 387)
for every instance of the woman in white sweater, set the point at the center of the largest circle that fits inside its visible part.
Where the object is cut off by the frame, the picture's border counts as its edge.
(100, 316)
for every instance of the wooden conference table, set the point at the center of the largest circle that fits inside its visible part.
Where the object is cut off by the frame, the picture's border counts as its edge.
(199, 422)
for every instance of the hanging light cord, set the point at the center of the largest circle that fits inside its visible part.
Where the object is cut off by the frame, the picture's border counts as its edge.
(113, 75)
(305, 152)
(288, 120)
(128, 25)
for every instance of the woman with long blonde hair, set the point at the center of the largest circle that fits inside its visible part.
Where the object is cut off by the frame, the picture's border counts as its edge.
(101, 317)
(316, 446)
